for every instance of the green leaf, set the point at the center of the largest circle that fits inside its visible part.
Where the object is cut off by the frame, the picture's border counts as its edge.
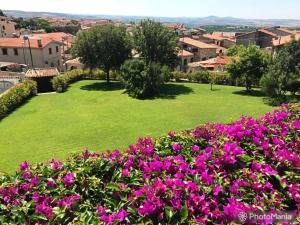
(184, 213)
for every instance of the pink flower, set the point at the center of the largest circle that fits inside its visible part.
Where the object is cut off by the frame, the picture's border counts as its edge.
(24, 165)
(195, 148)
(68, 179)
(176, 147)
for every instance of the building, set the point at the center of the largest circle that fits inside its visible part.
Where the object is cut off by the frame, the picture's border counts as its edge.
(73, 64)
(9, 79)
(185, 58)
(8, 28)
(42, 77)
(200, 50)
(263, 37)
(215, 64)
(280, 42)
(222, 39)
(42, 53)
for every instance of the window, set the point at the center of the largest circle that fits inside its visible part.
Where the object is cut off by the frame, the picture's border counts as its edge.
(57, 50)
(52, 64)
(46, 62)
(16, 51)
(58, 63)
(4, 51)
(3, 27)
(50, 51)
(185, 62)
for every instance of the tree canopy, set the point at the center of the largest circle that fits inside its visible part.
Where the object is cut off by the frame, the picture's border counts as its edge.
(105, 47)
(284, 72)
(251, 64)
(155, 43)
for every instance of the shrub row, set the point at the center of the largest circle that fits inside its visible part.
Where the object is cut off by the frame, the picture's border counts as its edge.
(205, 77)
(15, 96)
(208, 175)
(61, 82)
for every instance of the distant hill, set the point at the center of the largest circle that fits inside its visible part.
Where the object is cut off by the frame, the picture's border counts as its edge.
(191, 21)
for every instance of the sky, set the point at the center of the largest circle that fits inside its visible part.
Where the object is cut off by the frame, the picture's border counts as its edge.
(250, 9)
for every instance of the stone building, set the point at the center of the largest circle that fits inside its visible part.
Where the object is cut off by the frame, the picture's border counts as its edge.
(8, 28)
(200, 50)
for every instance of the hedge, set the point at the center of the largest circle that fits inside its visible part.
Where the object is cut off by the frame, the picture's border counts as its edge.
(213, 174)
(15, 96)
(204, 77)
(61, 82)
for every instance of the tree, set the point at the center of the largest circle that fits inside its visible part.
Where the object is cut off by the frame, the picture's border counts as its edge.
(156, 43)
(235, 50)
(250, 66)
(143, 80)
(2, 13)
(105, 47)
(284, 72)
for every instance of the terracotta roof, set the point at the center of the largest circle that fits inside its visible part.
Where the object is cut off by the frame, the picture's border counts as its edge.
(43, 72)
(195, 43)
(56, 36)
(184, 53)
(7, 74)
(286, 39)
(219, 60)
(73, 61)
(214, 36)
(267, 32)
(287, 30)
(19, 42)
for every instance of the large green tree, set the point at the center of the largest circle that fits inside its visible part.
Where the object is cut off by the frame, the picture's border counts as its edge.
(250, 66)
(155, 43)
(105, 47)
(284, 72)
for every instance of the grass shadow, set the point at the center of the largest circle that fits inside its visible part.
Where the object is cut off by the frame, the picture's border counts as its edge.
(251, 93)
(103, 86)
(171, 91)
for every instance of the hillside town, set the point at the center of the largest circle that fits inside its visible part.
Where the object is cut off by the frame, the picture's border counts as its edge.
(30, 48)
(140, 112)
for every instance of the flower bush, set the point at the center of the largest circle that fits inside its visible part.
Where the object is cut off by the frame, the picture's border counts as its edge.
(15, 96)
(207, 175)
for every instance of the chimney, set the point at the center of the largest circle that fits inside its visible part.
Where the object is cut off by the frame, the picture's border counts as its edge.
(39, 41)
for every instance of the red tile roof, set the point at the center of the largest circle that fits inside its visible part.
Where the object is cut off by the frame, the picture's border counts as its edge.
(219, 60)
(287, 30)
(184, 53)
(56, 36)
(286, 39)
(267, 32)
(198, 44)
(19, 42)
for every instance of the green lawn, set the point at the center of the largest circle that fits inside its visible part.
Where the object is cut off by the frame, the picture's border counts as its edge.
(91, 116)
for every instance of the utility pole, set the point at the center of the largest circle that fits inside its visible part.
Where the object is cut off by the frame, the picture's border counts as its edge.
(27, 38)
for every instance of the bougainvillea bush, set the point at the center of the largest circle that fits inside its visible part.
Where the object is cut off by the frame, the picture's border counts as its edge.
(208, 175)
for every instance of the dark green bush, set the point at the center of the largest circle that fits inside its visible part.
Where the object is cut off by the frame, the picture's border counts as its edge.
(16, 96)
(141, 80)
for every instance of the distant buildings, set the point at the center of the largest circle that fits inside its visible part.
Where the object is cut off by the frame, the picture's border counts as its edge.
(215, 64)
(8, 28)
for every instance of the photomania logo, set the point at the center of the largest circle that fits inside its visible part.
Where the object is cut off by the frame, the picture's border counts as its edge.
(269, 217)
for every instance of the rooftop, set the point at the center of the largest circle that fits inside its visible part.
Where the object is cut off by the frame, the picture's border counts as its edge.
(195, 43)
(43, 72)
(184, 53)
(19, 42)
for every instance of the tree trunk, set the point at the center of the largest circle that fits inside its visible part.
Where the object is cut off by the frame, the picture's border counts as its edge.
(107, 76)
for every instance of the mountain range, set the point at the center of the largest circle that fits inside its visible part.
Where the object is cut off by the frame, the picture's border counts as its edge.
(190, 21)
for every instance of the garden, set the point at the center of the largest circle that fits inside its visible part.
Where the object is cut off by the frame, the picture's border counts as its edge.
(90, 114)
(207, 175)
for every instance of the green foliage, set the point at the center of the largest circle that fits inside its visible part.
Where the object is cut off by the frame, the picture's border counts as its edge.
(62, 81)
(156, 43)
(284, 73)
(16, 96)
(142, 80)
(105, 47)
(228, 28)
(203, 77)
(250, 66)
(235, 50)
